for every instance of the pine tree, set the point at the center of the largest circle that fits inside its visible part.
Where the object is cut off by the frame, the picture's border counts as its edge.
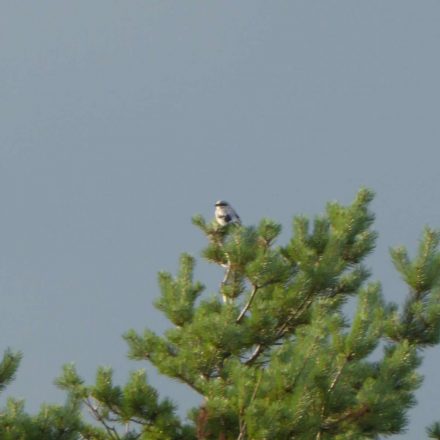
(54, 422)
(276, 353)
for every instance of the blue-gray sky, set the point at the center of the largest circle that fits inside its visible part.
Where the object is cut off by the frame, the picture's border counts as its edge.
(121, 120)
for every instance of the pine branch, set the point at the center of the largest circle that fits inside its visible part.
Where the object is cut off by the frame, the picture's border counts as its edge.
(189, 383)
(255, 355)
(225, 279)
(348, 415)
(337, 376)
(330, 389)
(301, 309)
(98, 416)
(254, 394)
(248, 304)
(282, 330)
(433, 431)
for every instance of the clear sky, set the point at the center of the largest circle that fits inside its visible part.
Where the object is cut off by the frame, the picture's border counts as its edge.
(120, 120)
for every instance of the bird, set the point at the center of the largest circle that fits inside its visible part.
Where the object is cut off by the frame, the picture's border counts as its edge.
(225, 214)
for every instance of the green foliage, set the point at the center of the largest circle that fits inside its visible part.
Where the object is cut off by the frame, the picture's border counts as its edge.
(434, 431)
(130, 412)
(277, 353)
(178, 295)
(8, 367)
(420, 321)
(53, 422)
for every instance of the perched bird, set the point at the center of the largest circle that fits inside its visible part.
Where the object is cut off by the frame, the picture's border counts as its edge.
(225, 214)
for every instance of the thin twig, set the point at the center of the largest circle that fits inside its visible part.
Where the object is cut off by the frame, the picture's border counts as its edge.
(330, 389)
(307, 301)
(255, 354)
(225, 279)
(349, 415)
(187, 382)
(110, 430)
(227, 272)
(337, 376)
(248, 304)
(254, 394)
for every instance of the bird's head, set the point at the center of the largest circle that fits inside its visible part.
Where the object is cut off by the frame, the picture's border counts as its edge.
(221, 203)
